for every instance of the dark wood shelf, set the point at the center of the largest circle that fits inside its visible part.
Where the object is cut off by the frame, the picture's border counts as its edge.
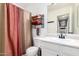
(50, 22)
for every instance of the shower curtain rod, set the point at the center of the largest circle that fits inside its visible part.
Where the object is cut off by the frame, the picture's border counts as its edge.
(21, 7)
(18, 6)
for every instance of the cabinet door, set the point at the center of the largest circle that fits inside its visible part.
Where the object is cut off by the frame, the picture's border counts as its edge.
(69, 51)
(51, 46)
(48, 52)
(66, 54)
(49, 49)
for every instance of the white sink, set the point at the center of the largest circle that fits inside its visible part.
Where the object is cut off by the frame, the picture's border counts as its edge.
(67, 41)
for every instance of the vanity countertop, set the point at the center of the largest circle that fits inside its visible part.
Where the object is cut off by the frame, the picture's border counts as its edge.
(67, 42)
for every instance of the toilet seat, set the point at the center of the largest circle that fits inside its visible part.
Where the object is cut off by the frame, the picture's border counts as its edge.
(32, 51)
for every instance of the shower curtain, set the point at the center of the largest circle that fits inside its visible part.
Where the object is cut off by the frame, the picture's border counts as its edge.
(13, 38)
(13, 21)
(2, 29)
(28, 30)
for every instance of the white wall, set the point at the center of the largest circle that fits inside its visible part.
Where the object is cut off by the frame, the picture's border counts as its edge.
(76, 15)
(54, 12)
(39, 8)
(70, 8)
(36, 9)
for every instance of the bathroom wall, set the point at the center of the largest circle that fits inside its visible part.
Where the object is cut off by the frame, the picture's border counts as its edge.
(69, 8)
(39, 8)
(56, 11)
(76, 18)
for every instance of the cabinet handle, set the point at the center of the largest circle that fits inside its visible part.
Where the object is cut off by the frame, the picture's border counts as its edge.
(57, 55)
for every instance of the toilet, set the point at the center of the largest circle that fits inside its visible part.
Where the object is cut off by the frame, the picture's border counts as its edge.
(33, 51)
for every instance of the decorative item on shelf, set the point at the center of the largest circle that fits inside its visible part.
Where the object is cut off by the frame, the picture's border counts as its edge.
(38, 22)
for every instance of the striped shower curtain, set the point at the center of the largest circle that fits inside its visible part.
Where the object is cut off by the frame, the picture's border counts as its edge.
(13, 38)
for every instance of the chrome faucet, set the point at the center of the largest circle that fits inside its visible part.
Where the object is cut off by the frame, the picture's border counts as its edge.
(62, 36)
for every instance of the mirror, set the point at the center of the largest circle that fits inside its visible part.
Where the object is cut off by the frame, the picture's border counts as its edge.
(62, 22)
(63, 18)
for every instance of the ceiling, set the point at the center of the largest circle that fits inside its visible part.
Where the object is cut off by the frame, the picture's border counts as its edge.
(58, 5)
(26, 5)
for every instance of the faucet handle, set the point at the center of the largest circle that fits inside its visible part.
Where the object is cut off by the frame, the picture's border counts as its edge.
(62, 36)
(59, 36)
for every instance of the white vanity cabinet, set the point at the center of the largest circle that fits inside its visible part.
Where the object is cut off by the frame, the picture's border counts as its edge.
(49, 49)
(56, 49)
(52, 49)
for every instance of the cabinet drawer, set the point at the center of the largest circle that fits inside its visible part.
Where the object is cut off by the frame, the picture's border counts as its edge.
(49, 45)
(70, 51)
